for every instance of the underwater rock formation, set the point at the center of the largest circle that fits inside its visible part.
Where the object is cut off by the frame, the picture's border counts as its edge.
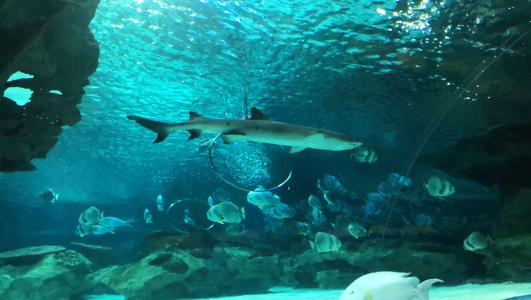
(58, 275)
(160, 275)
(509, 258)
(24, 256)
(501, 157)
(51, 42)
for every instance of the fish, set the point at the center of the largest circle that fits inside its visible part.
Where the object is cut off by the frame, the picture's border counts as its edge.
(188, 218)
(160, 203)
(331, 184)
(148, 217)
(225, 212)
(101, 230)
(281, 211)
(437, 187)
(314, 202)
(364, 155)
(90, 216)
(258, 128)
(387, 285)
(113, 223)
(399, 180)
(357, 230)
(49, 196)
(262, 198)
(476, 241)
(325, 242)
(318, 217)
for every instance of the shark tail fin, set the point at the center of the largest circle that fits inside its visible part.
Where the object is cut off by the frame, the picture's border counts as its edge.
(424, 288)
(162, 129)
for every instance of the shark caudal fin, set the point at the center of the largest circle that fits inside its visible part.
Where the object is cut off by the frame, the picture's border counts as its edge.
(162, 129)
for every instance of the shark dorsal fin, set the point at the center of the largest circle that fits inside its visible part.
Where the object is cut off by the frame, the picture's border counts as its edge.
(257, 114)
(194, 115)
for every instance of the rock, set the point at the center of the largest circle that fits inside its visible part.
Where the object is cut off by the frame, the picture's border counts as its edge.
(333, 279)
(310, 270)
(99, 255)
(514, 218)
(501, 157)
(51, 41)
(30, 255)
(57, 276)
(509, 258)
(163, 275)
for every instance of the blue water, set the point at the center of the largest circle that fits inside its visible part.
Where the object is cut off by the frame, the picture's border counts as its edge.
(377, 70)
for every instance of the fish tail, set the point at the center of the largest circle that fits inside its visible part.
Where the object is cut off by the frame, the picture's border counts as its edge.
(162, 129)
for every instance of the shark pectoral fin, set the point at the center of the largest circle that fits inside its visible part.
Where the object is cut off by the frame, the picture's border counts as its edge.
(296, 149)
(194, 133)
(257, 114)
(226, 136)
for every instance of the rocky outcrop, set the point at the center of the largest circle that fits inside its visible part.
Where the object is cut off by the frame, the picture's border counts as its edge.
(29, 255)
(501, 157)
(160, 275)
(51, 41)
(58, 275)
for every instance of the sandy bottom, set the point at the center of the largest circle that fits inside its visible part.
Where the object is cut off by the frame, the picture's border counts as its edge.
(498, 291)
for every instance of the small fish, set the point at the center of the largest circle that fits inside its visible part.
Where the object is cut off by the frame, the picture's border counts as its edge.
(437, 187)
(331, 184)
(476, 241)
(160, 203)
(281, 211)
(188, 218)
(356, 230)
(372, 208)
(375, 197)
(318, 217)
(262, 198)
(364, 155)
(396, 179)
(113, 223)
(302, 228)
(225, 212)
(314, 202)
(90, 216)
(388, 189)
(49, 196)
(388, 285)
(336, 206)
(148, 217)
(325, 242)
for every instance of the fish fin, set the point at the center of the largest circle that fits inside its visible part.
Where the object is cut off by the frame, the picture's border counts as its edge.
(243, 212)
(161, 128)
(193, 115)
(424, 287)
(293, 150)
(312, 245)
(257, 114)
(194, 133)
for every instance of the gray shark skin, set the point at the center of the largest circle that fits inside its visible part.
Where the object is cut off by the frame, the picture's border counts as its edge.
(257, 129)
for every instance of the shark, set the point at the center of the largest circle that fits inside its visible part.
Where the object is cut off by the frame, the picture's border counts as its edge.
(257, 128)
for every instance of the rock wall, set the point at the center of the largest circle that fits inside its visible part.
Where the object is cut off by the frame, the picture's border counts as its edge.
(51, 41)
